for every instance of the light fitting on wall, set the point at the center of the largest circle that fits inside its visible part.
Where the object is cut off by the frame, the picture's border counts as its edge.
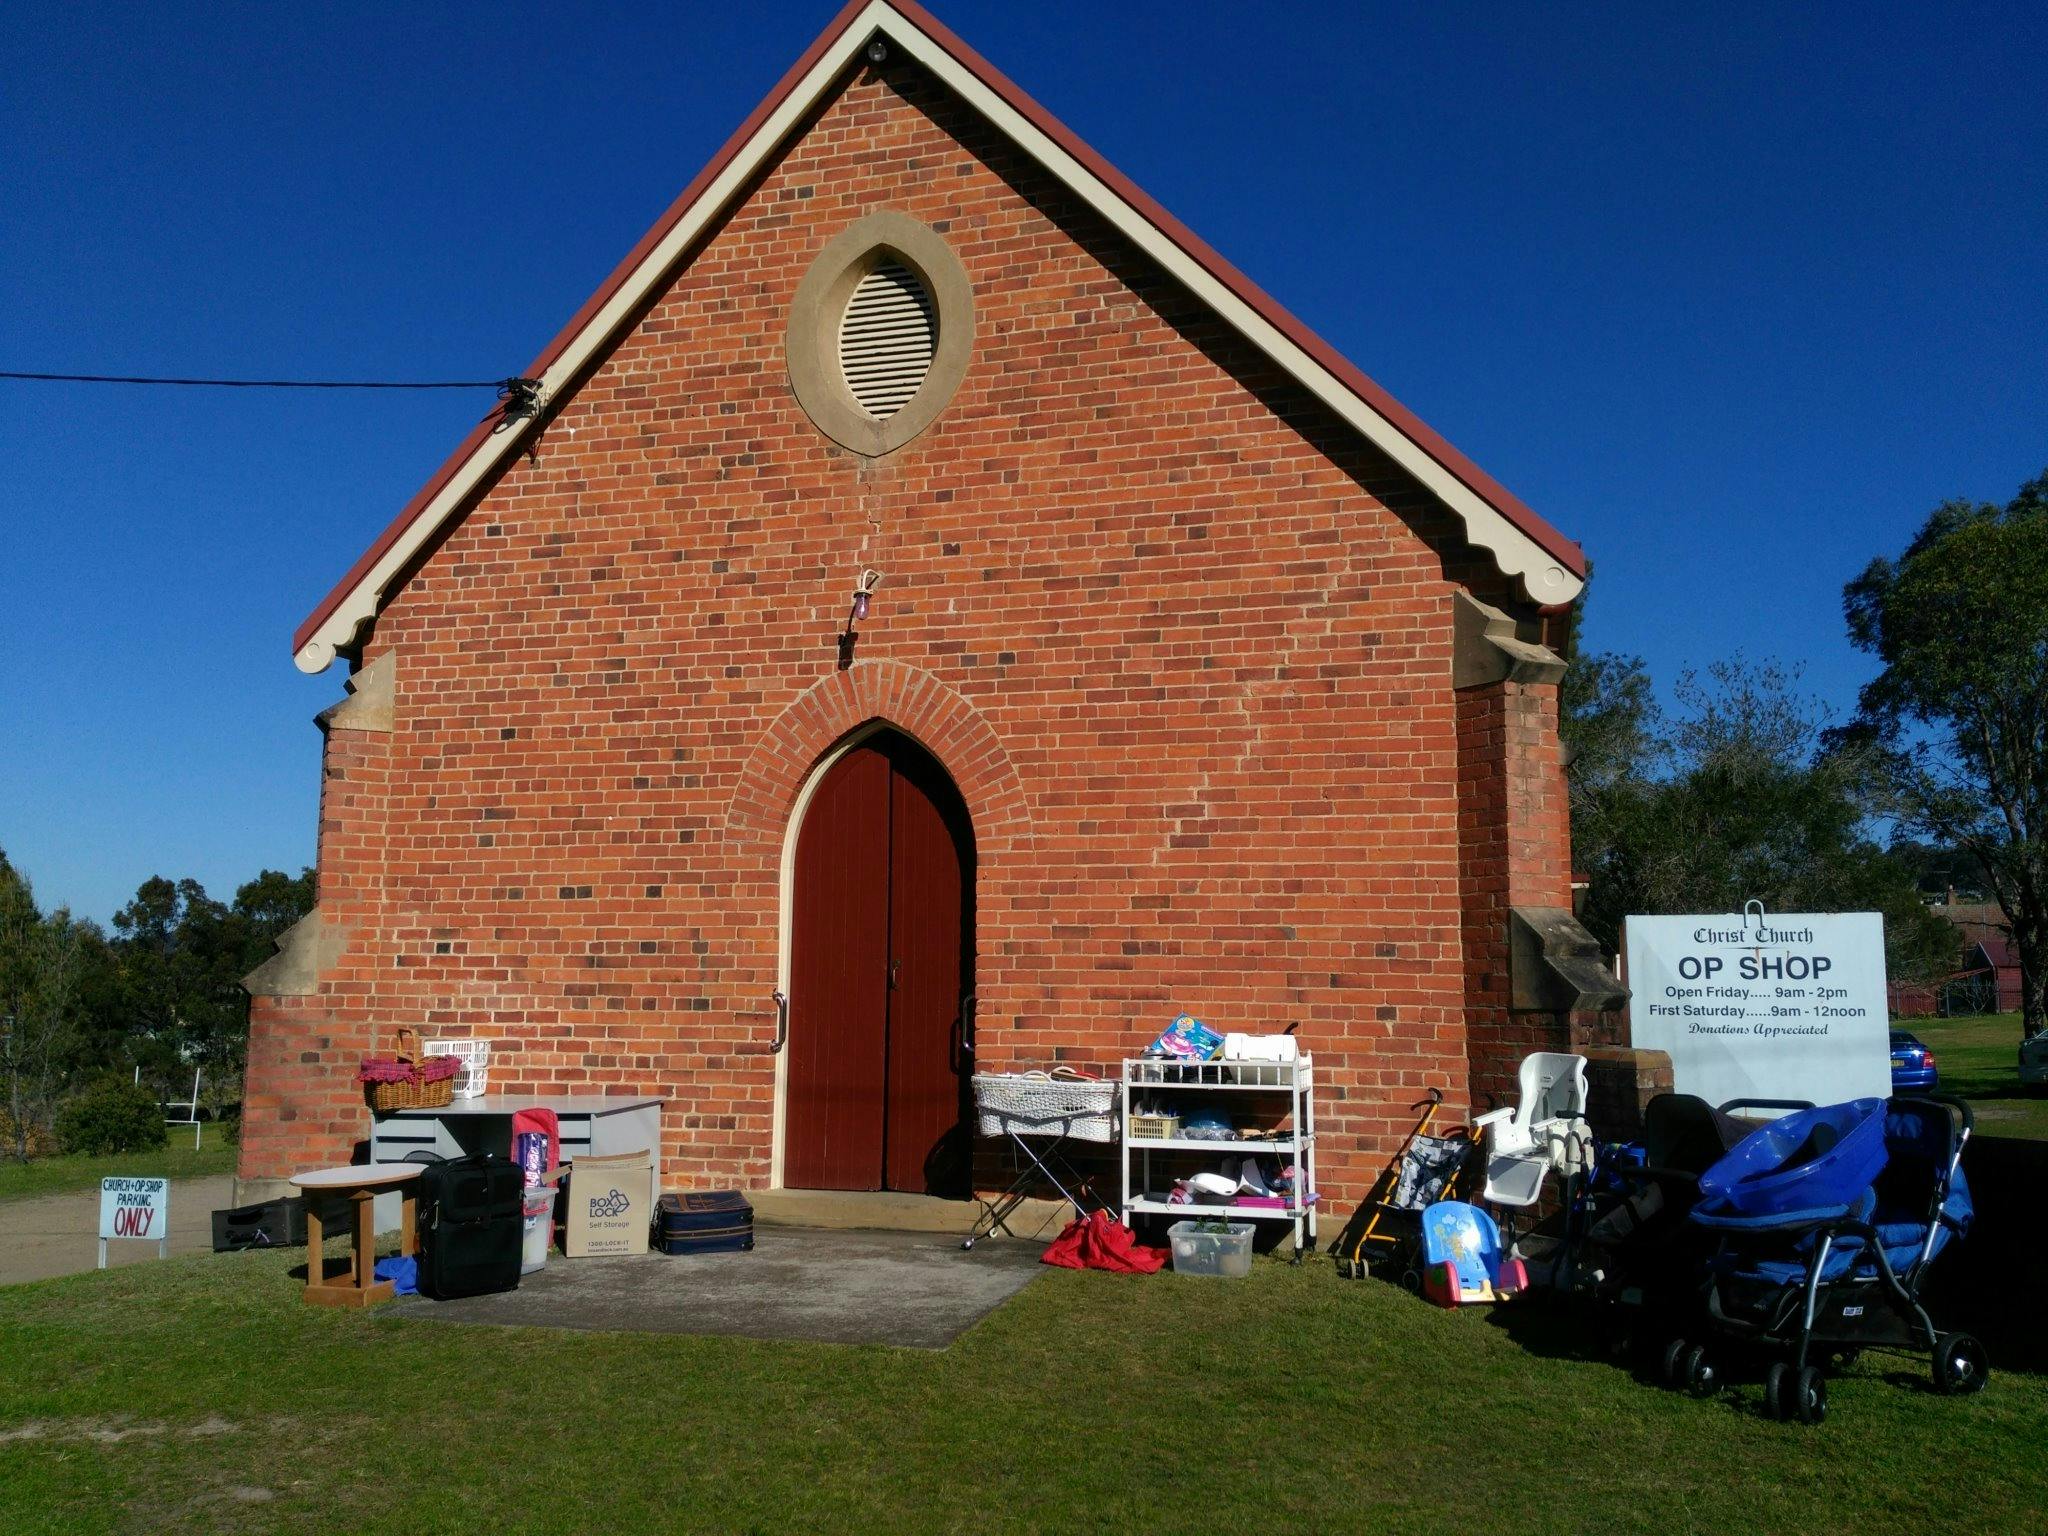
(863, 591)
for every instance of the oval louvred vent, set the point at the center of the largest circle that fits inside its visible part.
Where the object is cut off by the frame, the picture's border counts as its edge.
(886, 339)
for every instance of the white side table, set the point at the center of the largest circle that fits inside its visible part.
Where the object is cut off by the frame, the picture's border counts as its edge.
(361, 1184)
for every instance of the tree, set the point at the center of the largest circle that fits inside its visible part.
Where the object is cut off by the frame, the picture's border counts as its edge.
(39, 970)
(1958, 718)
(182, 956)
(1730, 798)
(1944, 873)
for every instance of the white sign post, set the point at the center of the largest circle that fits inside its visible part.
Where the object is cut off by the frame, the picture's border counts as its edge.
(135, 1208)
(1751, 1006)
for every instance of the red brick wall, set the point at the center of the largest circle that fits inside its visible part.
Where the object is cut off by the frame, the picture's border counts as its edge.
(1183, 641)
(1515, 850)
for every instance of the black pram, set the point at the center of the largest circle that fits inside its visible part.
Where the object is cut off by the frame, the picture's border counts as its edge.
(1642, 1260)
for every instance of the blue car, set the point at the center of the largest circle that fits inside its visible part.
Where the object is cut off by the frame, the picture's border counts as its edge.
(1912, 1065)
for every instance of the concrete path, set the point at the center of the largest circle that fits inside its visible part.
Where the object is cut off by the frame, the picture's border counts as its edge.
(906, 1288)
(48, 1235)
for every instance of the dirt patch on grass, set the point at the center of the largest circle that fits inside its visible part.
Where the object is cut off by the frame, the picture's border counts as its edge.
(111, 1431)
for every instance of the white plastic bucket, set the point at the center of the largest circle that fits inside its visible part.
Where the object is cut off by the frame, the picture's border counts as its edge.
(540, 1228)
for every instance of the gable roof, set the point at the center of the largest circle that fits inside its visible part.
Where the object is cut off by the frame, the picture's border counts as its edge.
(1549, 568)
(1998, 954)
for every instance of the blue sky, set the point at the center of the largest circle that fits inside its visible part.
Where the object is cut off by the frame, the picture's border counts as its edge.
(1733, 297)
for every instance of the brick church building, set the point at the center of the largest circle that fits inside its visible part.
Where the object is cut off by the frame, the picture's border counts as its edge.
(928, 584)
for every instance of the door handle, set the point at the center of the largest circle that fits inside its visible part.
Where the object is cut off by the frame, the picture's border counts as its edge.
(781, 1022)
(963, 1032)
(895, 967)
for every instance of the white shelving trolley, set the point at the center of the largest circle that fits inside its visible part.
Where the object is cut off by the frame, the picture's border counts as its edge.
(1184, 1082)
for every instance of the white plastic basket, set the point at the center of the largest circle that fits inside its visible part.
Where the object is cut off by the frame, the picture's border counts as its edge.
(1059, 1103)
(474, 1080)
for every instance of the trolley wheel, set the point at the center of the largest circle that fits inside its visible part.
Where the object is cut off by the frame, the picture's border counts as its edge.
(1775, 1382)
(1960, 1365)
(1620, 1341)
(1808, 1395)
(1696, 1372)
(1670, 1362)
(966, 1244)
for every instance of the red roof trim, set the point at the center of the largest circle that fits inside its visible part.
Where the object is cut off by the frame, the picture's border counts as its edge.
(1484, 486)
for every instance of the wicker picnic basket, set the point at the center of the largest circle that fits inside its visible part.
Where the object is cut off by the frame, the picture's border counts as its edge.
(408, 1079)
(1061, 1102)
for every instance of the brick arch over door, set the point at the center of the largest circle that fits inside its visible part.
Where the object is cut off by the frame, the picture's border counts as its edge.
(908, 698)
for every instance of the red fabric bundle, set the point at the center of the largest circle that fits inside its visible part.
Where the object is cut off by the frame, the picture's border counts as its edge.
(1099, 1241)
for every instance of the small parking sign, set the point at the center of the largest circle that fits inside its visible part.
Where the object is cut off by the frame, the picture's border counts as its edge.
(136, 1209)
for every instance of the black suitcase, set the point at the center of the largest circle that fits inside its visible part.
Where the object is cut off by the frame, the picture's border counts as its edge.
(470, 1220)
(272, 1224)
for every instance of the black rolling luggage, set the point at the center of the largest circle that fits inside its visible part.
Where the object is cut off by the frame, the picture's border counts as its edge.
(272, 1224)
(469, 1226)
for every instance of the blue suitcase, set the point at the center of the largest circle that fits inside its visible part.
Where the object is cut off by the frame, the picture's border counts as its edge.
(710, 1221)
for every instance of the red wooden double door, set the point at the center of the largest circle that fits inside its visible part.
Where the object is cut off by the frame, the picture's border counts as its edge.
(881, 968)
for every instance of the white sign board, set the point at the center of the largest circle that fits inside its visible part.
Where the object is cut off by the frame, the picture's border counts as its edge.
(135, 1208)
(1764, 1007)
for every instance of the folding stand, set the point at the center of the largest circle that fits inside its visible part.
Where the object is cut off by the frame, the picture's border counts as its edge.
(998, 1211)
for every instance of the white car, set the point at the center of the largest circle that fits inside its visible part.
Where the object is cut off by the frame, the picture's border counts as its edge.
(2034, 1058)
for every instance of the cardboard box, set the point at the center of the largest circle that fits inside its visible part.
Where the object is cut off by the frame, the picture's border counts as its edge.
(609, 1210)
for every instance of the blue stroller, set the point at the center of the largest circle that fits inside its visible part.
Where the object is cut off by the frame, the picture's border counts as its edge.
(1829, 1221)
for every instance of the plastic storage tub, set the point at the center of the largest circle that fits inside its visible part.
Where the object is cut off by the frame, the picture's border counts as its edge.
(539, 1212)
(1196, 1252)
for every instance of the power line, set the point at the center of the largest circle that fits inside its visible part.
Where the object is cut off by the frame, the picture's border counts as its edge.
(521, 397)
(506, 386)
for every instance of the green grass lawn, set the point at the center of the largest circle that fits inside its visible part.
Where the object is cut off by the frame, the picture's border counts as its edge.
(178, 1160)
(1978, 1060)
(201, 1394)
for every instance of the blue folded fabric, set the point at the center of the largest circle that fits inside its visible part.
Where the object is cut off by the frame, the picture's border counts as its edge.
(403, 1273)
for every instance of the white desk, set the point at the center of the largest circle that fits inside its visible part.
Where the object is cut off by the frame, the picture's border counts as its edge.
(592, 1123)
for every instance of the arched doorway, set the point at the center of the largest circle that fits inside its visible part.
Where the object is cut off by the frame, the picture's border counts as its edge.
(881, 968)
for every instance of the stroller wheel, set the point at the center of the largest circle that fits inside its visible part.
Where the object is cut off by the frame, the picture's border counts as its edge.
(1960, 1366)
(1809, 1394)
(1411, 1280)
(1670, 1363)
(1696, 1372)
(1843, 1360)
(1775, 1382)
